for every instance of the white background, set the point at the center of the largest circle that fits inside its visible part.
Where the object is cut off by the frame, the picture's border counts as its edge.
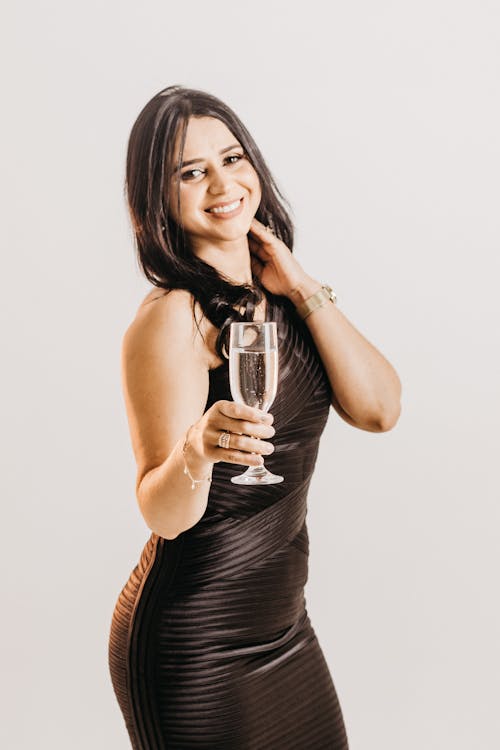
(381, 123)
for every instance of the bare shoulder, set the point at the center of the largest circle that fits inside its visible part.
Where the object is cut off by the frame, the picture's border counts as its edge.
(159, 303)
(169, 316)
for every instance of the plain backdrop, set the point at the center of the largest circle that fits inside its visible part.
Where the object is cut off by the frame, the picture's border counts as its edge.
(381, 123)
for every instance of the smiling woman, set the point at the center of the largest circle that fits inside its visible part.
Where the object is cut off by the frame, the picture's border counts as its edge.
(185, 148)
(211, 645)
(215, 201)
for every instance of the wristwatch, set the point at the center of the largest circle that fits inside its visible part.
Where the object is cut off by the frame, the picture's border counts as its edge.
(318, 299)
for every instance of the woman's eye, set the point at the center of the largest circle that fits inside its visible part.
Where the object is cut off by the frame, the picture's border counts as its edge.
(191, 174)
(234, 158)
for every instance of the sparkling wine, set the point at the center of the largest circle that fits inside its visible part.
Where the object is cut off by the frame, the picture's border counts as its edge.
(254, 376)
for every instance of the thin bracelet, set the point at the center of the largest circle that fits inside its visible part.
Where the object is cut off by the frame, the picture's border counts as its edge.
(194, 481)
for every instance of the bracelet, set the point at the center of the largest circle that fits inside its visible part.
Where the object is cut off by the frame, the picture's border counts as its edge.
(318, 299)
(194, 481)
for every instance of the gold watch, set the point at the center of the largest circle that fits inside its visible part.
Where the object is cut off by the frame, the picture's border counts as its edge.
(318, 299)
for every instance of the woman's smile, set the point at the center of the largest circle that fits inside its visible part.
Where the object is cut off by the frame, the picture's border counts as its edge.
(226, 210)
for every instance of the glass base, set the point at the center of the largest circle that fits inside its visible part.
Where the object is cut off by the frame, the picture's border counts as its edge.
(257, 475)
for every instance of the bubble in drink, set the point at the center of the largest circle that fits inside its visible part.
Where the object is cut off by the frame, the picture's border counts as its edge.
(254, 376)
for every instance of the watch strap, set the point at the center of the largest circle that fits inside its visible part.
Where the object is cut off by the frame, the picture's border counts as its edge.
(318, 299)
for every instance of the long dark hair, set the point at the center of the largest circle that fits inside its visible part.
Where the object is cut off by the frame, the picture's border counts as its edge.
(162, 246)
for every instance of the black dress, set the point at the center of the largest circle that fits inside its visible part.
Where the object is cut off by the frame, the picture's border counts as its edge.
(211, 645)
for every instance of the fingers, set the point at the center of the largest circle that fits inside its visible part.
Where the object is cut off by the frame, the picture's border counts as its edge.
(263, 233)
(261, 251)
(248, 428)
(258, 250)
(260, 229)
(246, 443)
(256, 265)
(244, 450)
(257, 431)
(234, 410)
(231, 456)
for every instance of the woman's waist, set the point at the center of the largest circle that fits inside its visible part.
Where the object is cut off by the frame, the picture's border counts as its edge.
(195, 625)
(267, 595)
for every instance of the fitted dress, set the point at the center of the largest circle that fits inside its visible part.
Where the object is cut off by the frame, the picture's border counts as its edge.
(210, 644)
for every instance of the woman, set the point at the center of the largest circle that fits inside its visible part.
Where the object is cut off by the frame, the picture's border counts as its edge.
(211, 645)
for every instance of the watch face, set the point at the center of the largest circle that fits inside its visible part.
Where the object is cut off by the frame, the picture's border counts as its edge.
(331, 293)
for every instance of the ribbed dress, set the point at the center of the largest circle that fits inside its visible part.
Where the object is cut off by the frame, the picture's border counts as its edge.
(210, 643)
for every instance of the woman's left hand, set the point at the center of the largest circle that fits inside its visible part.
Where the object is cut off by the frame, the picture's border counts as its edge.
(272, 262)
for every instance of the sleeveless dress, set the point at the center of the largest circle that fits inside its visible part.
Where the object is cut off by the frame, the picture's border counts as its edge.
(210, 644)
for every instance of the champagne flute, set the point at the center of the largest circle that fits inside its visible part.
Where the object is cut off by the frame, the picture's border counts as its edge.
(253, 378)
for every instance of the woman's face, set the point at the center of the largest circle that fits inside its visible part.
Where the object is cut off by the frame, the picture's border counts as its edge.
(219, 188)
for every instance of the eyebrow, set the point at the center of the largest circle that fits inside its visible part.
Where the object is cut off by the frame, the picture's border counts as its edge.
(194, 161)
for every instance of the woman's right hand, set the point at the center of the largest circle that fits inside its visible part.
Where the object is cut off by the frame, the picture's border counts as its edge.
(246, 425)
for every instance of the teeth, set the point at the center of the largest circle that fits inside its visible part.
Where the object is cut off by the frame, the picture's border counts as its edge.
(225, 209)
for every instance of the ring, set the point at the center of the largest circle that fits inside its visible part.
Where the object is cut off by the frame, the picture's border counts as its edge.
(224, 439)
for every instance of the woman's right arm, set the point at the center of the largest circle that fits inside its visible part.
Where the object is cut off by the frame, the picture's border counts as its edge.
(165, 383)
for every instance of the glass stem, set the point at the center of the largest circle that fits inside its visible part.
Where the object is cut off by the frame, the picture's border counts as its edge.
(256, 471)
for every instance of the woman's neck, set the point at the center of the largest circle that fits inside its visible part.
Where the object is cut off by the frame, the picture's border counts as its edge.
(230, 258)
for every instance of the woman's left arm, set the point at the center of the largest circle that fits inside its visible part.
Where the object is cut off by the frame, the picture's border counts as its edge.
(366, 388)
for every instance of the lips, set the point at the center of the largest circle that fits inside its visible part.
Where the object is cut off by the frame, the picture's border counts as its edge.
(223, 204)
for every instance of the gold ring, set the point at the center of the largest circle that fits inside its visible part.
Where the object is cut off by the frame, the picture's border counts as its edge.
(224, 439)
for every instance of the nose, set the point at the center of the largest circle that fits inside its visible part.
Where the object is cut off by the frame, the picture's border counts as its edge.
(219, 181)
